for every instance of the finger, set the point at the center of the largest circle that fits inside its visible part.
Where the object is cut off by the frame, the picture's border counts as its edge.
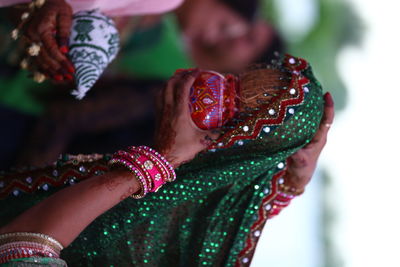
(172, 86)
(31, 35)
(46, 58)
(46, 31)
(319, 140)
(45, 61)
(327, 118)
(64, 23)
(68, 66)
(44, 69)
(182, 90)
(50, 44)
(329, 110)
(168, 92)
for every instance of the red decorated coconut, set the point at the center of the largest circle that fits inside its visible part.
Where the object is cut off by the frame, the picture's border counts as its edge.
(213, 99)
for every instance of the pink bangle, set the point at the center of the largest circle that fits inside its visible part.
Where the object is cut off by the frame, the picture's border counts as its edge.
(23, 245)
(151, 169)
(153, 176)
(162, 168)
(132, 158)
(21, 249)
(163, 161)
(117, 160)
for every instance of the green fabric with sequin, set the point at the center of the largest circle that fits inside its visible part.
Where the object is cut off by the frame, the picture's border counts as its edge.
(35, 262)
(204, 217)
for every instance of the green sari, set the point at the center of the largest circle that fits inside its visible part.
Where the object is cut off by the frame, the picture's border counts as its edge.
(213, 214)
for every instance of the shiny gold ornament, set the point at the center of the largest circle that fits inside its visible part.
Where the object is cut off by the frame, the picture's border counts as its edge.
(24, 16)
(24, 64)
(39, 77)
(39, 3)
(33, 50)
(15, 34)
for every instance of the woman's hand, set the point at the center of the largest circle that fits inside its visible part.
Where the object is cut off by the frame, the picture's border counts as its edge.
(176, 136)
(301, 165)
(49, 26)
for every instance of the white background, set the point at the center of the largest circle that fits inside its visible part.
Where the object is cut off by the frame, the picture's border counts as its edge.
(362, 156)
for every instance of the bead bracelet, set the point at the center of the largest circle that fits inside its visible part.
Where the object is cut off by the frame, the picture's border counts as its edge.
(23, 245)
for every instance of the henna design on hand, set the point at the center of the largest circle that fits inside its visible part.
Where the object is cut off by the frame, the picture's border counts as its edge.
(165, 136)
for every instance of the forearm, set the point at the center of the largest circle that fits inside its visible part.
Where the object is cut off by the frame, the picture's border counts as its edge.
(67, 213)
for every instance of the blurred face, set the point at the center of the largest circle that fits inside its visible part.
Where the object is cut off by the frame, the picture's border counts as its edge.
(220, 39)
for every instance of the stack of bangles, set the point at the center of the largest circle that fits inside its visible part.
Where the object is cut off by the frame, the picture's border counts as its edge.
(26, 245)
(284, 195)
(150, 168)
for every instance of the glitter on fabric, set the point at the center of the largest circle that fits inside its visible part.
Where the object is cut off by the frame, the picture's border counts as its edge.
(206, 216)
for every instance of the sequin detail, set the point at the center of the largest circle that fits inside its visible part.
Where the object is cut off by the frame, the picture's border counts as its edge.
(273, 113)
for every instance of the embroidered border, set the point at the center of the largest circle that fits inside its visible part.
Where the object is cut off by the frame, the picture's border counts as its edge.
(245, 256)
(270, 114)
(64, 171)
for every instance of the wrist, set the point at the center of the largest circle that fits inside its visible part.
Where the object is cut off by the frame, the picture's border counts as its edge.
(173, 159)
(151, 169)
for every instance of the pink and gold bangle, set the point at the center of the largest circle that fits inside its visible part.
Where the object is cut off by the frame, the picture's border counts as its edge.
(162, 168)
(150, 168)
(163, 161)
(116, 160)
(133, 161)
(23, 245)
(153, 172)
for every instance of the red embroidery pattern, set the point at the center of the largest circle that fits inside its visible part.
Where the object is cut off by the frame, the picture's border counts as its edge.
(31, 181)
(273, 113)
(266, 207)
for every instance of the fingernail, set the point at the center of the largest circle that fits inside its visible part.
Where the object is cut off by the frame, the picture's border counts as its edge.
(58, 77)
(68, 77)
(328, 99)
(71, 69)
(68, 67)
(64, 49)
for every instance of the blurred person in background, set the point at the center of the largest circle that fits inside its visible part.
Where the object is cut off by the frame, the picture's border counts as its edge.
(227, 35)
(22, 101)
(221, 35)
